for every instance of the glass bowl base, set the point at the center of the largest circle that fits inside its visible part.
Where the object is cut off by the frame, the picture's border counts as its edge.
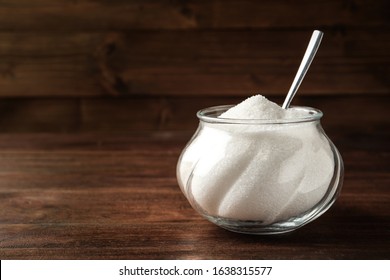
(256, 227)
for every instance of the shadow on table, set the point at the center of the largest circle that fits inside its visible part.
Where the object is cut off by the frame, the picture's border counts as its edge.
(341, 233)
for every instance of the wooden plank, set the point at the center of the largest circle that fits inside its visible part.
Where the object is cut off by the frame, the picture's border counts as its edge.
(126, 115)
(235, 63)
(80, 164)
(168, 241)
(45, 115)
(155, 14)
(115, 196)
(71, 200)
(228, 63)
(48, 64)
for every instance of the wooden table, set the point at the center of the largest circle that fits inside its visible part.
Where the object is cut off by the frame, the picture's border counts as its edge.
(100, 195)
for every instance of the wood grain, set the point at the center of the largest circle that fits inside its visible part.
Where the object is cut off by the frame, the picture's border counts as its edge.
(96, 195)
(164, 14)
(92, 48)
(178, 63)
(118, 115)
(98, 98)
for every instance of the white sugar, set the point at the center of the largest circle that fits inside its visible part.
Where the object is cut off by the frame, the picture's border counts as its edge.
(259, 107)
(267, 173)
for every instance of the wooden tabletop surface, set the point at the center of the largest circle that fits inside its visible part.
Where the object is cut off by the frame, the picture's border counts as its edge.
(100, 195)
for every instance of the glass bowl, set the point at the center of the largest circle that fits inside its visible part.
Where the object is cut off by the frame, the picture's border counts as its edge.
(260, 176)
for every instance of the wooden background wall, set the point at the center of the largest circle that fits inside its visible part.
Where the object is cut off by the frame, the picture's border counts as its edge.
(98, 64)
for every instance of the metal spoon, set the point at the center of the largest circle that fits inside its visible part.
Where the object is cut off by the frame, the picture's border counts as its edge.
(305, 64)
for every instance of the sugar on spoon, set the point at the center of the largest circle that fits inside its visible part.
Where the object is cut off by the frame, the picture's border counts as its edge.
(305, 64)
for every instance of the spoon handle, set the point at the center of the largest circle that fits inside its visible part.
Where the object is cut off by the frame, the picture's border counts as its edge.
(305, 64)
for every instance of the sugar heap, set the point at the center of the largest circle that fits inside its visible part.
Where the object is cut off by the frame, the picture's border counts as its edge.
(259, 107)
(265, 172)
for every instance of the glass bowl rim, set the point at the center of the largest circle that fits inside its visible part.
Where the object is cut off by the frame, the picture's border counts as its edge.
(210, 115)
